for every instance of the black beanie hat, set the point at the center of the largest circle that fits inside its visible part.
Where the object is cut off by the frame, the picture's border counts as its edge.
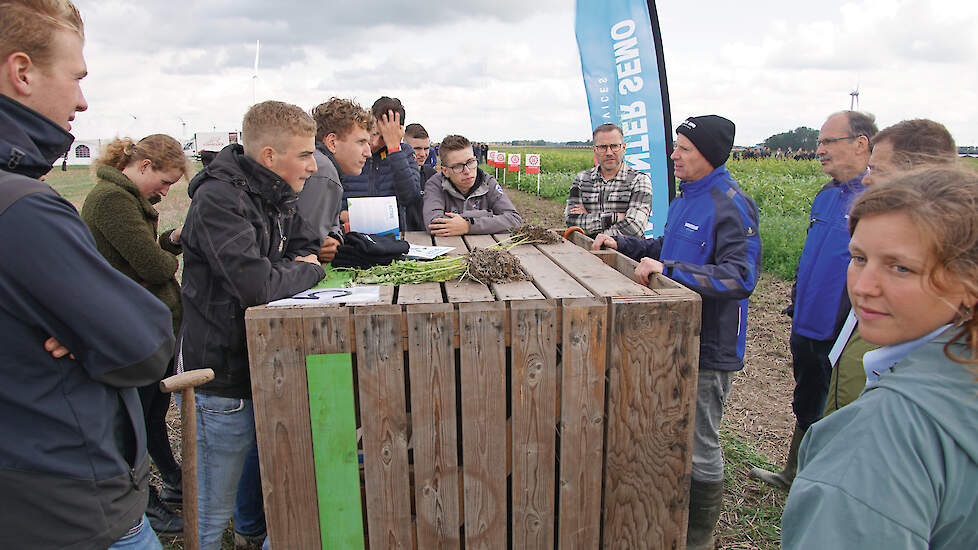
(712, 135)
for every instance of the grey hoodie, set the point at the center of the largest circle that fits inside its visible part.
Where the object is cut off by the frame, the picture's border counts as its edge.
(487, 208)
(896, 468)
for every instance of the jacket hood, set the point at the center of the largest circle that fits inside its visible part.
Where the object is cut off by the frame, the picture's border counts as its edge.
(946, 391)
(29, 141)
(233, 167)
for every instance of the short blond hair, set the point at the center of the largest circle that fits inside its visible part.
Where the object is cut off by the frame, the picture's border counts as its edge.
(29, 26)
(271, 124)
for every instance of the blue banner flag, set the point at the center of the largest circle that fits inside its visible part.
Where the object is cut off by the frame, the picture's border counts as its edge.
(625, 79)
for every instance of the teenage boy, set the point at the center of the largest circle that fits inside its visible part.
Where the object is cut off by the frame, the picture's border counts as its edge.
(390, 170)
(73, 463)
(464, 200)
(342, 148)
(244, 244)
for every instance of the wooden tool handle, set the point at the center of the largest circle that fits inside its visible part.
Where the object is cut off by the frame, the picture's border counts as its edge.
(188, 379)
(571, 230)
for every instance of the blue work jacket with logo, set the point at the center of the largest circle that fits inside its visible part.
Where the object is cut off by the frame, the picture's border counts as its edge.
(711, 245)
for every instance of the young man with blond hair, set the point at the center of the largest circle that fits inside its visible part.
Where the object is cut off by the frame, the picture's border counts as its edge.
(244, 244)
(342, 148)
(73, 462)
(464, 200)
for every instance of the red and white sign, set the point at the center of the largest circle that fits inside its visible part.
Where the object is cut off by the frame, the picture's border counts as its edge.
(532, 163)
(514, 162)
(500, 159)
(491, 157)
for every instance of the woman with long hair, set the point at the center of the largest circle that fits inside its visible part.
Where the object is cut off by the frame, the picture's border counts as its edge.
(898, 467)
(131, 177)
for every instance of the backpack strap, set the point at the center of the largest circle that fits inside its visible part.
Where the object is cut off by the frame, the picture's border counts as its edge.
(14, 187)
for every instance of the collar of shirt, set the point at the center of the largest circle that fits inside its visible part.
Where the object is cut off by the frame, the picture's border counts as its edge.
(619, 175)
(879, 361)
(854, 185)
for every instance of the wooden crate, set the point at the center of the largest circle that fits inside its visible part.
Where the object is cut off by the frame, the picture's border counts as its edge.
(531, 414)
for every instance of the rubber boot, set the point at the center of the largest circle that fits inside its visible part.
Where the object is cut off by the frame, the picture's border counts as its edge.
(783, 479)
(162, 519)
(705, 503)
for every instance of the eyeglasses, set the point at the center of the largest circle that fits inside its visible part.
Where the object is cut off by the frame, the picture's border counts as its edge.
(827, 141)
(471, 164)
(613, 147)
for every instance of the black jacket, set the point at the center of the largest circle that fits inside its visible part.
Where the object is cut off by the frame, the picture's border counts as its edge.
(73, 465)
(239, 241)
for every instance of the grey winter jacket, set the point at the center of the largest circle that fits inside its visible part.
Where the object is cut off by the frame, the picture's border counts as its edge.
(487, 208)
(321, 198)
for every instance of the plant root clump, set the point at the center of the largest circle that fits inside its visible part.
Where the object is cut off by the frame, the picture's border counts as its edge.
(536, 234)
(493, 265)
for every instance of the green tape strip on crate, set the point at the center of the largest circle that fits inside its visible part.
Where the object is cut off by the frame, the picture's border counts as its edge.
(334, 446)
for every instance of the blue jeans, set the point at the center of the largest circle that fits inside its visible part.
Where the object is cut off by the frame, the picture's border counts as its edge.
(249, 510)
(225, 436)
(139, 537)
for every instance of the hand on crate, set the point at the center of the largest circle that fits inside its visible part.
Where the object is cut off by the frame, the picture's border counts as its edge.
(646, 268)
(328, 251)
(312, 259)
(55, 348)
(604, 241)
(452, 224)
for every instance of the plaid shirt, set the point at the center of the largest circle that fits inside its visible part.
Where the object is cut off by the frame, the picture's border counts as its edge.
(629, 193)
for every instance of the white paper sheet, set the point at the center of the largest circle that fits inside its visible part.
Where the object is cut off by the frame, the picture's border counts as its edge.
(419, 252)
(328, 296)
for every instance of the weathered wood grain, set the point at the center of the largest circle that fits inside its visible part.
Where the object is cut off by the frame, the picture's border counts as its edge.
(591, 272)
(421, 293)
(431, 355)
(651, 403)
(534, 396)
(383, 415)
(584, 333)
(483, 382)
(550, 278)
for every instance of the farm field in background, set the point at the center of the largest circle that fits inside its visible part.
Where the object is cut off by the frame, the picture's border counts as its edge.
(782, 189)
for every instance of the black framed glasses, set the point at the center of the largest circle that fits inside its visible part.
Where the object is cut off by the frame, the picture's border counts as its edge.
(613, 147)
(471, 164)
(827, 141)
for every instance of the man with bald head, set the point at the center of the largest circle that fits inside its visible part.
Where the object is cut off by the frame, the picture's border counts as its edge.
(710, 245)
(819, 303)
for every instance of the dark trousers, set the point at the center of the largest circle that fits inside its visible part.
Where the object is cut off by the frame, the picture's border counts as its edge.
(812, 370)
(155, 404)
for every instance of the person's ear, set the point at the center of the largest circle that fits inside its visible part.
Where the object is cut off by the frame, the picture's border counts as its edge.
(330, 142)
(266, 156)
(144, 165)
(18, 72)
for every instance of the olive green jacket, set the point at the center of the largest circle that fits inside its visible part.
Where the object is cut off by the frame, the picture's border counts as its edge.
(124, 225)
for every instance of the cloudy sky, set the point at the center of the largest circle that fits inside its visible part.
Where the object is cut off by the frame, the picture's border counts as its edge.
(509, 69)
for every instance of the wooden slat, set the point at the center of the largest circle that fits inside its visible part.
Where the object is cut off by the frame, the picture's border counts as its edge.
(467, 290)
(651, 399)
(623, 264)
(431, 355)
(483, 382)
(534, 395)
(515, 290)
(552, 281)
(334, 438)
(584, 335)
(282, 425)
(421, 293)
(591, 272)
(383, 415)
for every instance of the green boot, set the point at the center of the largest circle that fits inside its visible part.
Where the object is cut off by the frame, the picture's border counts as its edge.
(783, 479)
(705, 503)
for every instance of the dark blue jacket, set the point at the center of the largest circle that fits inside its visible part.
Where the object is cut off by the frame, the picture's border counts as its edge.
(73, 466)
(388, 175)
(819, 299)
(711, 245)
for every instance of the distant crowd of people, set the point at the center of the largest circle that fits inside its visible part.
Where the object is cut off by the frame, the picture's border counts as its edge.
(884, 340)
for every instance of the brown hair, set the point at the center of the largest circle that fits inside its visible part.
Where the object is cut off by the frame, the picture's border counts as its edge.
(607, 127)
(162, 150)
(942, 203)
(452, 143)
(29, 26)
(271, 123)
(337, 116)
(415, 131)
(384, 104)
(919, 141)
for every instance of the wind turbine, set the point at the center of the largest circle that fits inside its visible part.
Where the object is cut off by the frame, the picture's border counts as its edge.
(184, 124)
(854, 98)
(254, 77)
